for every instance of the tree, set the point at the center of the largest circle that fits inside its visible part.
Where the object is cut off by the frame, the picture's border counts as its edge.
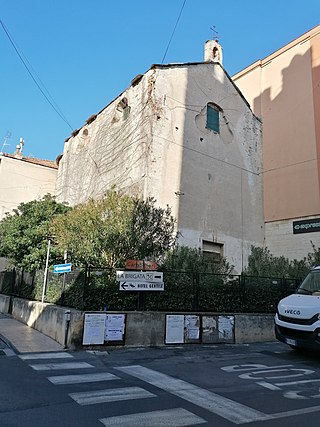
(188, 259)
(106, 232)
(261, 263)
(24, 233)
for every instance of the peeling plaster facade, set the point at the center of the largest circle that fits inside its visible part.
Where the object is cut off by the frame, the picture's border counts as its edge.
(283, 89)
(152, 140)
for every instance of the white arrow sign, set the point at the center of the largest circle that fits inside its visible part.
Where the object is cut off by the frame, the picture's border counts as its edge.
(62, 268)
(140, 276)
(141, 286)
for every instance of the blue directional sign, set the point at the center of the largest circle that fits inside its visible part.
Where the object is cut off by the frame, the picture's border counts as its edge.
(62, 268)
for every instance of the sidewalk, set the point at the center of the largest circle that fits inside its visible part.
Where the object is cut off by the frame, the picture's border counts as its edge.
(22, 338)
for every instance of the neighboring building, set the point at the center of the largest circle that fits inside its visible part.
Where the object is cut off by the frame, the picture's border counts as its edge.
(185, 135)
(23, 179)
(284, 90)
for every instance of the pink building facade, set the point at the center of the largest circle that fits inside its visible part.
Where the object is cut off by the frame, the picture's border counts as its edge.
(283, 89)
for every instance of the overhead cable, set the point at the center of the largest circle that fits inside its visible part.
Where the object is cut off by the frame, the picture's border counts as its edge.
(174, 30)
(24, 61)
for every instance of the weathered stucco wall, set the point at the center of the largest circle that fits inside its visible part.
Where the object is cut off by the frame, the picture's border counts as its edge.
(50, 320)
(213, 179)
(142, 328)
(254, 328)
(112, 149)
(152, 141)
(4, 303)
(21, 181)
(145, 328)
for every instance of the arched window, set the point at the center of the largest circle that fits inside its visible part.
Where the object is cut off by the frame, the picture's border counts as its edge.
(213, 117)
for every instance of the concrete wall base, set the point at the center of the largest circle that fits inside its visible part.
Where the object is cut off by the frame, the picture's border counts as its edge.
(142, 328)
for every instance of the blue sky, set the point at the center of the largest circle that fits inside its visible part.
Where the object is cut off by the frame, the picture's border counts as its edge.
(87, 52)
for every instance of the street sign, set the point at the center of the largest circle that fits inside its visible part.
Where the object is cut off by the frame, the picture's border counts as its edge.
(62, 268)
(140, 276)
(141, 286)
(137, 264)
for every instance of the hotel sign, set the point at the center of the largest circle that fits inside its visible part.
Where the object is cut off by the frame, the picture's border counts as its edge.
(306, 226)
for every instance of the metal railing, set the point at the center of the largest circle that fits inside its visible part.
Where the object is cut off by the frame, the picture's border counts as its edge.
(97, 289)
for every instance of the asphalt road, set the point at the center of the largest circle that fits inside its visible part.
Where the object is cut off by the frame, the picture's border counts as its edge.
(255, 385)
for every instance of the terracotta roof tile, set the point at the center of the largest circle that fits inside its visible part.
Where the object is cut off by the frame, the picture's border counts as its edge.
(47, 163)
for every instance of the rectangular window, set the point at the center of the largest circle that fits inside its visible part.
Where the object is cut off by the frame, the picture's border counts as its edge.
(213, 119)
(212, 251)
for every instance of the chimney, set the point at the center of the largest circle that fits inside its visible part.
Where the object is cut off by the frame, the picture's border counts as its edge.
(212, 51)
(18, 151)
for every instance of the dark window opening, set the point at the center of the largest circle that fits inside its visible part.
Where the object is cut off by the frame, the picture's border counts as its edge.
(212, 251)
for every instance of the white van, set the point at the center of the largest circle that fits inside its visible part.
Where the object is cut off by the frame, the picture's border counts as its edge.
(297, 321)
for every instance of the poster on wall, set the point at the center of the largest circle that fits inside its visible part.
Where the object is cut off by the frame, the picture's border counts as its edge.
(217, 329)
(191, 328)
(114, 327)
(209, 329)
(174, 329)
(226, 328)
(94, 328)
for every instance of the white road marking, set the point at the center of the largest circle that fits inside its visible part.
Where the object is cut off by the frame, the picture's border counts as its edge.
(214, 403)
(67, 365)
(84, 378)
(61, 355)
(294, 395)
(268, 385)
(166, 418)
(299, 382)
(295, 412)
(291, 374)
(252, 367)
(110, 395)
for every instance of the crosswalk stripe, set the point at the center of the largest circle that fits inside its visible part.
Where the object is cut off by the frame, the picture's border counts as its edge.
(61, 355)
(178, 417)
(110, 395)
(67, 365)
(212, 402)
(82, 378)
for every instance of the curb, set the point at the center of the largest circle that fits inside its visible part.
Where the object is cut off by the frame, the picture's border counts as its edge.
(10, 350)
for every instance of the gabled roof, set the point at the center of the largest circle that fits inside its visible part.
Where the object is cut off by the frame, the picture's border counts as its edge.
(136, 80)
(46, 163)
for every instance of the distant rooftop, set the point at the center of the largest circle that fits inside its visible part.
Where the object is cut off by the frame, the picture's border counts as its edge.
(47, 163)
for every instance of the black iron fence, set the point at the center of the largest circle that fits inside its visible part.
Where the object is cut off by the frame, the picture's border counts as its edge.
(97, 289)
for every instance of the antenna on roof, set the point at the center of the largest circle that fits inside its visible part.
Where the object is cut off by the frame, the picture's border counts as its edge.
(215, 35)
(5, 141)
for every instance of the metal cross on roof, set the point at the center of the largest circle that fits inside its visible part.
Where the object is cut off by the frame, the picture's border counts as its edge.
(215, 33)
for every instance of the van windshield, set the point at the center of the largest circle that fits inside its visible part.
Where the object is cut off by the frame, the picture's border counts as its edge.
(311, 284)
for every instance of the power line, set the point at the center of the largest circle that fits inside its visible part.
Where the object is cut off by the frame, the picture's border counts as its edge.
(51, 102)
(174, 30)
(291, 164)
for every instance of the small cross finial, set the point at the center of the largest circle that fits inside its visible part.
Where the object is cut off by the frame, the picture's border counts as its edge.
(215, 33)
